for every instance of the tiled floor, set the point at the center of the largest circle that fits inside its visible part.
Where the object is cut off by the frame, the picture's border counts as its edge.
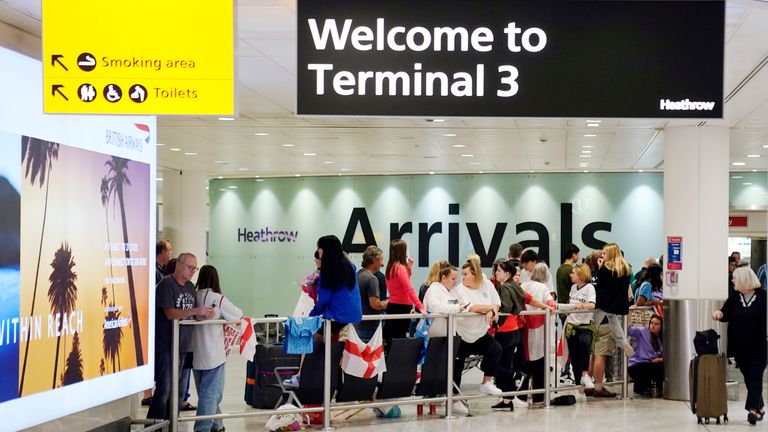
(642, 415)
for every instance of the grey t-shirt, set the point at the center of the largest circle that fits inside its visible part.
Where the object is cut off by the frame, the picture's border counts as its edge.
(369, 287)
(169, 294)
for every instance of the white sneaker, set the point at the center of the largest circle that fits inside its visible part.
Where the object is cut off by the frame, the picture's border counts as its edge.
(458, 407)
(519, 403)
(490, 388)
(587, 382)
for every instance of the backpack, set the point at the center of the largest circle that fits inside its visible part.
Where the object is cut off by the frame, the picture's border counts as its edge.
(564, 400)
(705, 342)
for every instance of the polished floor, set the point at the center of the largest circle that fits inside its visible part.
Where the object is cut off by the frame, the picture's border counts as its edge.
(604, 415)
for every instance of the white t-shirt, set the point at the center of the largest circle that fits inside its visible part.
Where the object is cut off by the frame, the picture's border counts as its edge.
(473, 328)
(585, 294)
(438, 299)
(208, 340)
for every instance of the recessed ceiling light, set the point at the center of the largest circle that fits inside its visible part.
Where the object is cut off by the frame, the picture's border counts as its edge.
(449, 134)
(739, 163)
(243, 169)
(190, 154)
(261, 134)
(754, 170)
(531, 171)
(593, 124)
(220, 177)
(747, 184)
(289, 145)
(329, 162)
(223, 190)
(639, 170)
(159, 179)
(593, 121)
(297, 175)
(587, 146)
(233, 187)
(174, 149)
(160, 145)
(458, 145)
(226, 118)
(344, 169)
(586, 171)
(474, 163)
(259, 180)
(431, 172)
(310, 154)
(219, 162)
(585, 156)
(765, 146)
(736, 177)
(467, 155)
(583, 164)
(590, 135)
(438, 120)
(479, 172)
(206, 188)
(586, 151)
(753, 155)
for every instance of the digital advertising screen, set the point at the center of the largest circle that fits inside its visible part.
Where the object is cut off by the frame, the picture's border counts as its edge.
(78, 198)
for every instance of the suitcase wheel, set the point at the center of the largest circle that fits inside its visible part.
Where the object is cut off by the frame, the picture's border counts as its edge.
(725, 418)
(700, 420)
(706, 421)
(717, 420)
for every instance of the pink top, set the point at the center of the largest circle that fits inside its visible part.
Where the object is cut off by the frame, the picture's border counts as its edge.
(400, 289)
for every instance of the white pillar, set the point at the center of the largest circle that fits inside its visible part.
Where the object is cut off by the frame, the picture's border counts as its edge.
(696, 208)
(185, 212)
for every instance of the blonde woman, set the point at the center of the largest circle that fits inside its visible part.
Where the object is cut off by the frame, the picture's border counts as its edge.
(483, 299)
(433, 276)
(612, 294)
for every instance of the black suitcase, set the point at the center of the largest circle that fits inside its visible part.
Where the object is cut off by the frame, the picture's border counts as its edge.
(260, 378)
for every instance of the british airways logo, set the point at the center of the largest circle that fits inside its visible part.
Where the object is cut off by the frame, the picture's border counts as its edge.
(135, 141)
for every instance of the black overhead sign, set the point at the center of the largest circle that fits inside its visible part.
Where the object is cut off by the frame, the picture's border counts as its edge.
(507, 58)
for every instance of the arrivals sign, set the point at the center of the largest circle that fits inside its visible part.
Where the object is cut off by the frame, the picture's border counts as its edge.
(138, 57)
(502, 58)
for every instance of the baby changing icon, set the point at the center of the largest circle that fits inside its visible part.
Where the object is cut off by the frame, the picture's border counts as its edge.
(113, 93)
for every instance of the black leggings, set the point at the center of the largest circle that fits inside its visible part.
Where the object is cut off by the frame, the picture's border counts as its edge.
(512, 359)
(579, 349)
(646, 374)
(535, 371)
(396, 328)
(487, 346)
(752, 369)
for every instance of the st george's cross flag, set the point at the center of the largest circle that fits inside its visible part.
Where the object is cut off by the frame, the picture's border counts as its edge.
(360, 359)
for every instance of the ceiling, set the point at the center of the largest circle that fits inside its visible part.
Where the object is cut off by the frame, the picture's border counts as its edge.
(267, 139)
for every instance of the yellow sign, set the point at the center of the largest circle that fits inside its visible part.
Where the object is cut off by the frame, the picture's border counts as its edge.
(139, 57)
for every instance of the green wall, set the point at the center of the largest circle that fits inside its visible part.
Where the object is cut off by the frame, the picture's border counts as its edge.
(263, 277)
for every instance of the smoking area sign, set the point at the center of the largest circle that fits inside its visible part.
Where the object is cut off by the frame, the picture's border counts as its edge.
(138, 57)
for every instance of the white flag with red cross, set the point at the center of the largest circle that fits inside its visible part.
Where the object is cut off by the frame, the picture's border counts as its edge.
(360, 359)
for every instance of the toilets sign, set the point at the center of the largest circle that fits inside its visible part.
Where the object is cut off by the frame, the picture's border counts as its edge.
(138, 57)
(502, 58)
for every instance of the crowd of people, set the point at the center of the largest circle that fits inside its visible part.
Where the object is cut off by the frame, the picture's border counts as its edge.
(591, 295)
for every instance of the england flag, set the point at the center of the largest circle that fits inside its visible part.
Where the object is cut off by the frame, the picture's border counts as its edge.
(360, 359)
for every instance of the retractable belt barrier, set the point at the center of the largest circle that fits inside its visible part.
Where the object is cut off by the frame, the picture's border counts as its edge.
(327, 407)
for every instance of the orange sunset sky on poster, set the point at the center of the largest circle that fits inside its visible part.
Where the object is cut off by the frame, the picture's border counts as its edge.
(75, 216)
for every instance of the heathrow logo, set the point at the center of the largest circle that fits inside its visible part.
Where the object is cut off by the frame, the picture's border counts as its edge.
(685, 105)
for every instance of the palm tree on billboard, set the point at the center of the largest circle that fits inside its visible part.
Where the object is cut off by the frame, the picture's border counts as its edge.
(105, 204)
(113, 337)
(62, 294)
(38, 155)
(117, 179)
(73, 372)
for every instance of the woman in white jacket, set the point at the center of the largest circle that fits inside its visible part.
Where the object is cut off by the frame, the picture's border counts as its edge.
(440, 298)
(208, 346)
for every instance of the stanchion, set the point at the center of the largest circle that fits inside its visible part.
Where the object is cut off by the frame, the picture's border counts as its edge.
(175, 378)
(327, 375)
(449, 379)
(547, 353)
(624, 363)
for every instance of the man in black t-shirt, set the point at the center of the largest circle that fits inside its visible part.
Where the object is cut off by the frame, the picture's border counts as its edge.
(370, 294)
(175, 300)
(163, 252)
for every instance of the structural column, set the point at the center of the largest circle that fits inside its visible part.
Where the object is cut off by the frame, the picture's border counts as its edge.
(185, 212)
(696, 212)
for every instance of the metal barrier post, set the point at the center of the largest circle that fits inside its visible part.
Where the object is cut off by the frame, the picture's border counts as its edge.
(547, 353)
(327, 375)
(625, 363)
(175, 377)
(449, 370)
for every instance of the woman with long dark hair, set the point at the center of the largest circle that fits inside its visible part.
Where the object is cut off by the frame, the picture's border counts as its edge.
(210, 357)
(646, 366)
(402, 297)
(338, 297)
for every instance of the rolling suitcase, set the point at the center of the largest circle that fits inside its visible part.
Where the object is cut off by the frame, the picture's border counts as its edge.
(707, 388)
(260, 378)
